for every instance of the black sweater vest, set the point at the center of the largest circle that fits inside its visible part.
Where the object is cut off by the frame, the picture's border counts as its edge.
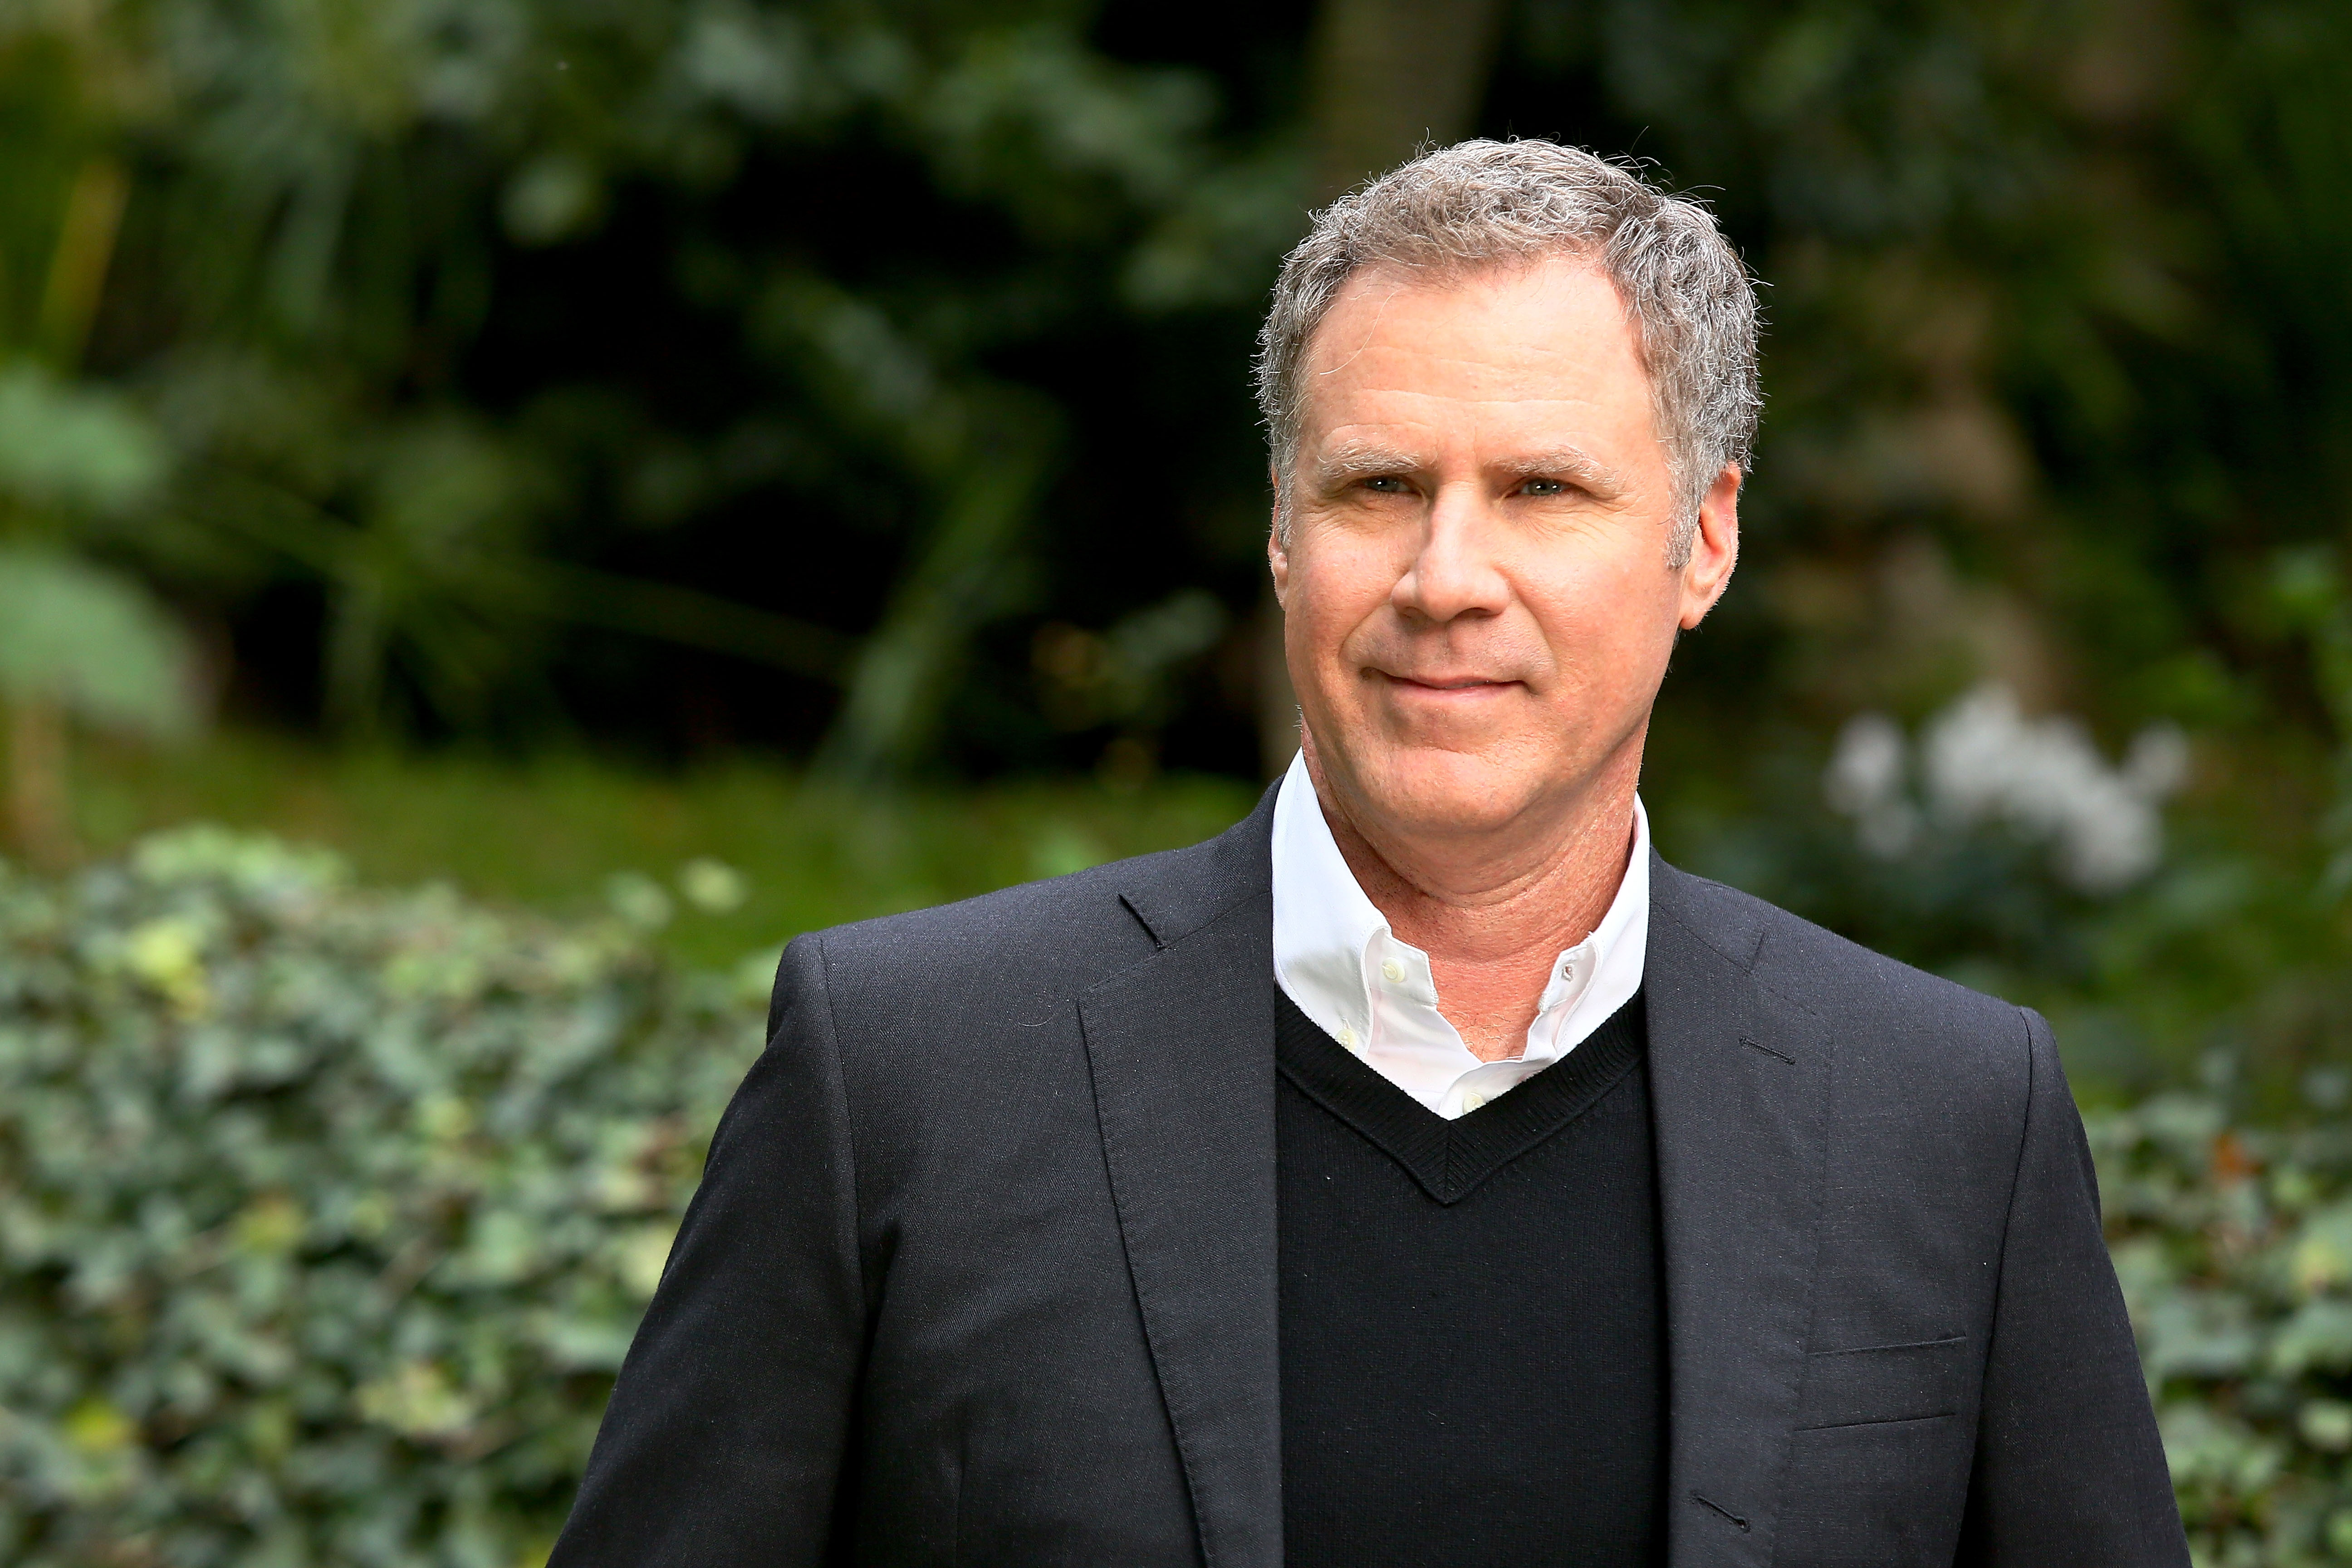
(1472, 1315)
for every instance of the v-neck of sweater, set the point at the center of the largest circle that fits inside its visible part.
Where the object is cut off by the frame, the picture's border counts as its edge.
(1451, 1158)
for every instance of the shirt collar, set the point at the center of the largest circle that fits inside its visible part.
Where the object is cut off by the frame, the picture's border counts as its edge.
(1326, 932)
(1323, 923)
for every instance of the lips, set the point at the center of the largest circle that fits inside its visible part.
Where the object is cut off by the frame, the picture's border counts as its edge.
(1448, 683)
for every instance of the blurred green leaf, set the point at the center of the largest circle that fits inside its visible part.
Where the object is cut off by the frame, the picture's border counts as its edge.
(94, 642)
(70, 447)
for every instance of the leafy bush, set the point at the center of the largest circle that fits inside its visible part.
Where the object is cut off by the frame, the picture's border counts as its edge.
(325, 1216)
(2235, 1250)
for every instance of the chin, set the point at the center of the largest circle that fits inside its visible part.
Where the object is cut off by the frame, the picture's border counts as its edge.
(1440, 791)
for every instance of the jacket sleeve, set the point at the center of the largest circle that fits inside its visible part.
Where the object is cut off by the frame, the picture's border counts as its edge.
(724, 1441)
(2069, 1469)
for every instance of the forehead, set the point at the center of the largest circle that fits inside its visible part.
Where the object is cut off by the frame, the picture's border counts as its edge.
(1494, 341)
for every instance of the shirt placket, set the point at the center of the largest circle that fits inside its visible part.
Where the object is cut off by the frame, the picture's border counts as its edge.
(1376, 1001)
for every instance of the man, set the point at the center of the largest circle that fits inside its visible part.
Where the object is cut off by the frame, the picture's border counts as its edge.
(1421, 1172)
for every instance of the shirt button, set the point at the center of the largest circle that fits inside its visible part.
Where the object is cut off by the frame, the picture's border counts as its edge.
(1472, 1102)
(1346, 1037)
(1392, 970)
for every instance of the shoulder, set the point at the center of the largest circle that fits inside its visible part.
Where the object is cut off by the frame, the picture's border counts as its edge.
(1881, 1018)
(1022, 952)
(1054, 936)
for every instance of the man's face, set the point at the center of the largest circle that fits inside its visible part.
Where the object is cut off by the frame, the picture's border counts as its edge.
(1477, 601)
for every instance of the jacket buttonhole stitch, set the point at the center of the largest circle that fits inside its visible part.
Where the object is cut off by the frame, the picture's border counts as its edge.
(1717, 1507)
(1759, 1044)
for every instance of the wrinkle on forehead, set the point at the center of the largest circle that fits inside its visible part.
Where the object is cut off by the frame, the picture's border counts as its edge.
(1391, 279)
(1478, 342)
(1371, 328)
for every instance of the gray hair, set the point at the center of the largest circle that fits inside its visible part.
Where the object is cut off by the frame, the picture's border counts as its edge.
(1460, 209)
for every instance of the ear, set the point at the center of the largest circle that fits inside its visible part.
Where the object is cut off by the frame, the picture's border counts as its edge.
(1714, 547)
(1277, 557)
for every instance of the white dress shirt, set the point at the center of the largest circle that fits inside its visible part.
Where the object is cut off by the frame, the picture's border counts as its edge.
(1336, 958)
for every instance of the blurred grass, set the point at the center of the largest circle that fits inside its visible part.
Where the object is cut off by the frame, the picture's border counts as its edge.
(571, 834)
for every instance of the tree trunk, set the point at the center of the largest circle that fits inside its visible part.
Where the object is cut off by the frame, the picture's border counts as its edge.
(40, 806)
(1389, 75)
(967, 570)
(1386, 76)
(85, 248)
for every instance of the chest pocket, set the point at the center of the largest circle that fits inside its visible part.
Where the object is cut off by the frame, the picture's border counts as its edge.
(1884, 1382)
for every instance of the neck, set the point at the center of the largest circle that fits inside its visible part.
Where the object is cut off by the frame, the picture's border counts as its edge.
(1493, 910)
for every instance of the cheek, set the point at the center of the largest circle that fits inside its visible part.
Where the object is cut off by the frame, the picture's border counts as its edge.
(1334, 590)
(1611, 619)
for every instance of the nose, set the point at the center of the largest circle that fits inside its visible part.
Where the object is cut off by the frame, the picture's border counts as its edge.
(1453, 573)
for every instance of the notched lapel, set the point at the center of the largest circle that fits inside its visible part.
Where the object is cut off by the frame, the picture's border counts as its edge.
(1740, 1081)
(1182, 1048)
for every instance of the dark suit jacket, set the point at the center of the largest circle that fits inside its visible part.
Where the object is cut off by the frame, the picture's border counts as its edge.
(982, 1270)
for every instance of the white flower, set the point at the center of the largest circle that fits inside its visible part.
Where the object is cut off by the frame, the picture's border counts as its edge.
(1865, 781)
(1982, 760)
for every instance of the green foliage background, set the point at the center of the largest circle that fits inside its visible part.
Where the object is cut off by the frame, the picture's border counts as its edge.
(835, 411)
(326, 1216)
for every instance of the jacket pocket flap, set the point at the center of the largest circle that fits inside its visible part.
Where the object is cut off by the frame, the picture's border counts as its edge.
(1884, 1382)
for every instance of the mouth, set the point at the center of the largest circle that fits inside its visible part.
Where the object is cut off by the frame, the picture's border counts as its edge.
(1446, 685)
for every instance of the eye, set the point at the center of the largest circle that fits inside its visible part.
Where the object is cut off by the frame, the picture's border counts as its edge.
(1387, 485)
(1544, 487)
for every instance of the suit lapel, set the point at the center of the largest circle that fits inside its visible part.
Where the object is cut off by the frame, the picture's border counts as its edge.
(1181, 1047)
(1740, 1083)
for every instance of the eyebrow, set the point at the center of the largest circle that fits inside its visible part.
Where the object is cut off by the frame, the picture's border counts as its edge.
(1568, 463)
(1359, 460)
